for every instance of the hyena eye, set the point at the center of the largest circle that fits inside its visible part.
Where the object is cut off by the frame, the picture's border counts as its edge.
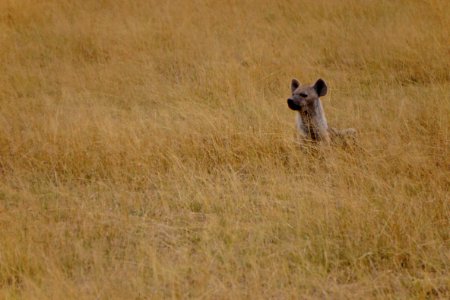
(304, 95)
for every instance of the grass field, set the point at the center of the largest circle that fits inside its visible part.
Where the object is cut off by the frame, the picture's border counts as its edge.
(147, 150)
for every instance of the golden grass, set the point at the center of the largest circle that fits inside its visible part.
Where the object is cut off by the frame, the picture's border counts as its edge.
(147, 150)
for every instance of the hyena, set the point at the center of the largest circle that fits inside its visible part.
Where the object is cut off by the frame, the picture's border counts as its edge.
(311, 122)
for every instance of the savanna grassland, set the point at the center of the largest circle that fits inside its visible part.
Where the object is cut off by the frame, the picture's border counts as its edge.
(147, 150)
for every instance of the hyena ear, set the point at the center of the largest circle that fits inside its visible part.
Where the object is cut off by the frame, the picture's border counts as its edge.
(321, 88)
(294, 84)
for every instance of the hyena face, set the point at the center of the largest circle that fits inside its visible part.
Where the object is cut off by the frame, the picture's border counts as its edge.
(305, 98)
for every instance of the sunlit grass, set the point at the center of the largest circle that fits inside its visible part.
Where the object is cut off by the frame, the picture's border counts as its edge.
(147, 150)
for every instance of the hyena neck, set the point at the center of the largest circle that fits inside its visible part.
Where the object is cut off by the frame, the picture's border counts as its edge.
(313, 124)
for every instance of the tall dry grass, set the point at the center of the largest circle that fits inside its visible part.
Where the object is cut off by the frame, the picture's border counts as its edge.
(147, 151)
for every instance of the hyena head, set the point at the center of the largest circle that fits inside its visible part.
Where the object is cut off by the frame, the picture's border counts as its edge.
(305, 98)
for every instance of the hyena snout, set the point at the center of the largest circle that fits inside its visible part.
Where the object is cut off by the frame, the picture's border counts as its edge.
(295, 104)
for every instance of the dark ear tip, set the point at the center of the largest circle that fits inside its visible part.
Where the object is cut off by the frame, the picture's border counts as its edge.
(294, 84)
(321, 87)
(320, 82)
